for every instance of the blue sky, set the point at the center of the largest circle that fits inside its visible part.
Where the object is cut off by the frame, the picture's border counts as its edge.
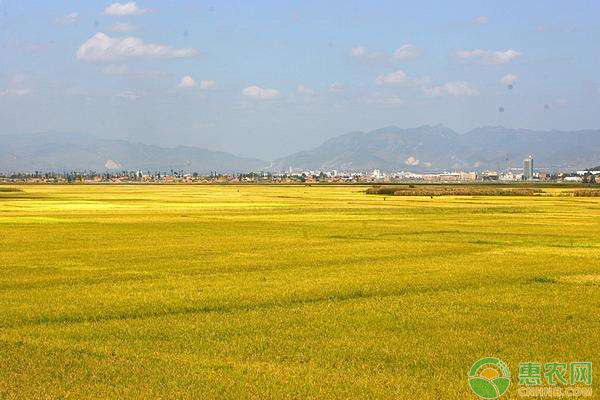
(266, 78)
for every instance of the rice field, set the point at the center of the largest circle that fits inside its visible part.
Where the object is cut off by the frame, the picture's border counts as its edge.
(274, 292)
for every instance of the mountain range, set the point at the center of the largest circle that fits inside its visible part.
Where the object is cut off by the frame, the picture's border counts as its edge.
(435, 148)
(426, 148)
(66, 152)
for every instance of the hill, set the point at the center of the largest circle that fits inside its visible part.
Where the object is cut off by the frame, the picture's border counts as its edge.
(438, 148)
(60, 151)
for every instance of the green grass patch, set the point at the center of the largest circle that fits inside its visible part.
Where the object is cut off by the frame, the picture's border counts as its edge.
(453, 190)
(6, 189)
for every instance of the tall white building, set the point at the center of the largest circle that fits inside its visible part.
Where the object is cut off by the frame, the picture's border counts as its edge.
(528, 168)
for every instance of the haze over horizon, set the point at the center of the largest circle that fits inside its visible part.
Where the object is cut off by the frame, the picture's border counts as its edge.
(266, 79)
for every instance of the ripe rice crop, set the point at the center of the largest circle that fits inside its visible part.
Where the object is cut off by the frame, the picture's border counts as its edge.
(272, 292)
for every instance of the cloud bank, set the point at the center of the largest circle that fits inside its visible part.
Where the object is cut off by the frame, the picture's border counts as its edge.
(488, 57)
(126, 9)
(256, 92)
(103, 48)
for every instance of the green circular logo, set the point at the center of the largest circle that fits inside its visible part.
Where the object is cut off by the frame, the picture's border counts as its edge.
(489, 378)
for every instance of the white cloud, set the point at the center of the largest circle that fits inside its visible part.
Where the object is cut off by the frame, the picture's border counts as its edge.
(122, 27)
(363, 54)
(119, 10)
(406, 52)
(103, 48)
(119, 69)
(400, 77)
(457, 88)
(68, 19)
(393, 78)
(128, 95)
(207, 85)
(256, 92)
(403, 53)
(304, 90)
(336, 87)
(556, 29)
(187, 82)
(481, 20)
(15, 87)
(15, 92)
(488, 57)
(412, 161)
(508, 79)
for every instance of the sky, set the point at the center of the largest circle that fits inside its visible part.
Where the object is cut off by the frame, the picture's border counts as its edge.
(268, 78)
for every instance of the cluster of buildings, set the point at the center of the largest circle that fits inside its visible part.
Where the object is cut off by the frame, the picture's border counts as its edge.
(527, 173)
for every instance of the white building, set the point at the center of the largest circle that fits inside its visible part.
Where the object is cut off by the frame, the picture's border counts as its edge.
(573, 179)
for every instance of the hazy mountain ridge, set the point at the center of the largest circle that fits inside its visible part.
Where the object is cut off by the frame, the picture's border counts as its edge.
(426, 148)
(59, 151)
(440, 148)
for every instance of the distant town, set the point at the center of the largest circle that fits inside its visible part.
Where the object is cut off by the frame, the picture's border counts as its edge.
(526, 173)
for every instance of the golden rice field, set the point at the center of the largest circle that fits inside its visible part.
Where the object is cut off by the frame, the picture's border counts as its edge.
(271, 292)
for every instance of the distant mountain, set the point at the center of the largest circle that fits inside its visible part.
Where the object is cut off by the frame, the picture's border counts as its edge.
(428, 148)
(59, 152)
(550, 149)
